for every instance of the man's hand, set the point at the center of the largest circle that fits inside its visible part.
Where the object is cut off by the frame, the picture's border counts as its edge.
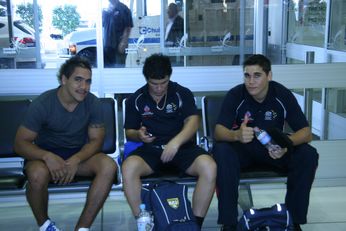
(169, 152)
(245, 134)
(71, 166)
(277, 152)
(145, 136)
(56, 166)
(122, 47)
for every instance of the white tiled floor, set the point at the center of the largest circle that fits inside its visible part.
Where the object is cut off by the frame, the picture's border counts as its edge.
(327, 211)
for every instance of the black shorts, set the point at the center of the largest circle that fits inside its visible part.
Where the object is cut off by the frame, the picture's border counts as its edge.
(183, 159)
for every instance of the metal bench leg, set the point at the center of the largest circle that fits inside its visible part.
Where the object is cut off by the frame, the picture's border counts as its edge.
(102, 218)
(245, 199)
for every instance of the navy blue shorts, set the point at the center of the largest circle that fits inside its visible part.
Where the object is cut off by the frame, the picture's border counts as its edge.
(183, 159)
(64, 153)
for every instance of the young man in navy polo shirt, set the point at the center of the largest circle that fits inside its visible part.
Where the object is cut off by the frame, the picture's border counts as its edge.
(163, 116)
(260, 102)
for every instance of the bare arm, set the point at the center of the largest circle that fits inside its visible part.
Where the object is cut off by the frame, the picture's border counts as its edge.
(301, 136)
(244, 134)
(222, 133)
(140, 135)
(96, 134)
(25, 147)
(188, 131)
(124, 40)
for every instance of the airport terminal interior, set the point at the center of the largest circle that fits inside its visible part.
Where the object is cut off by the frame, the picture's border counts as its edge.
(326, 210)
(304, 39)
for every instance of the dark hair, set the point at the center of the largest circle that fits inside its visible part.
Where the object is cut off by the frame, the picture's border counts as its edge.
(157, 66)
(70, 65)
(173, 7)
(259, 60)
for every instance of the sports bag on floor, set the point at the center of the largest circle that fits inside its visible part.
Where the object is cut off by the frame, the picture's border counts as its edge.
(275, 218)
(170, 206)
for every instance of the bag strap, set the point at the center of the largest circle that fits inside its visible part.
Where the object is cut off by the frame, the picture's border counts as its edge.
(157, 183)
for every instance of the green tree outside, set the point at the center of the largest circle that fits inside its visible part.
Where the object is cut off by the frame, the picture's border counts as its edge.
(26, 13)
(66, 18)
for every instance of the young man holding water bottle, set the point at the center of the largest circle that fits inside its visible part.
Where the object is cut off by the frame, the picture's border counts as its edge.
(260, 103)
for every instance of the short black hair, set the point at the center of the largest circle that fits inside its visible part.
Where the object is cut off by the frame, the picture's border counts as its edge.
(259, 60)
(70, 65)
(157, 66)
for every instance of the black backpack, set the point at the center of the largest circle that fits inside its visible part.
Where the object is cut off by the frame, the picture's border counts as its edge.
(275, 218)
(170, 206)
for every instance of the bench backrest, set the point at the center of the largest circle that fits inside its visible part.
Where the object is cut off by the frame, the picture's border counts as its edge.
(110, 119)
(211, 106)
(12, 113)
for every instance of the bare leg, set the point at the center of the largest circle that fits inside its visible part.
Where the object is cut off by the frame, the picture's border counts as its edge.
(104, 169)
(132, 169)
(204, 168)
(37, 189)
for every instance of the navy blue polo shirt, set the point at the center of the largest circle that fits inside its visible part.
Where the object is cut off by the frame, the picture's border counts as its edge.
(164, 120)
(279, 106)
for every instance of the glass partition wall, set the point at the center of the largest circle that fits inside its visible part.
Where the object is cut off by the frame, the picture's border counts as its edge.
(42, 34)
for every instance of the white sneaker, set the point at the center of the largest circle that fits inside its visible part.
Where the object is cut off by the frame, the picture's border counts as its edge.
(52, 227)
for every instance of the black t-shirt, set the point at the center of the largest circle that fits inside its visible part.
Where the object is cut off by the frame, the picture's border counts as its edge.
(164, 120)
(279, 106)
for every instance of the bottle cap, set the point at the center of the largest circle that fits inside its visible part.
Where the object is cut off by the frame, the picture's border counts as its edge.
(142, 206)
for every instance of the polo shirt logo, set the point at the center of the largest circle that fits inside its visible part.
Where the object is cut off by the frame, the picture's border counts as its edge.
(270, 115)
(147, 111)
(171, 107)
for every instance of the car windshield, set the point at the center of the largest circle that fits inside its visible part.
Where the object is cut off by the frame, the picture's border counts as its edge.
(24, 27)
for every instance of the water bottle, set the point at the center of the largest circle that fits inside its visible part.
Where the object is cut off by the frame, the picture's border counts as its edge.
(265, 139)
(144, 220)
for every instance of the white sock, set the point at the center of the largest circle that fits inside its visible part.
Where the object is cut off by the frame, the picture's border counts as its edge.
(83, 229)
(45, 225)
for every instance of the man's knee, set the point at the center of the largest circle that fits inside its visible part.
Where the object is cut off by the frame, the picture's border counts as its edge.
(37, 173)
(206, 167)
(307, 156)
(99, 165)
(132, 167)
(106, 165)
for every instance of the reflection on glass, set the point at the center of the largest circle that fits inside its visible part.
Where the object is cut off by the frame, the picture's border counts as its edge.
(337, 38)
(174, 27)
(117, 24)
(17, 35)
(213, 30)
(144, 38)
(335, 114)
(79, 37)
(306, 24)
(174, 33)
(63, 28)
(325, 109)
